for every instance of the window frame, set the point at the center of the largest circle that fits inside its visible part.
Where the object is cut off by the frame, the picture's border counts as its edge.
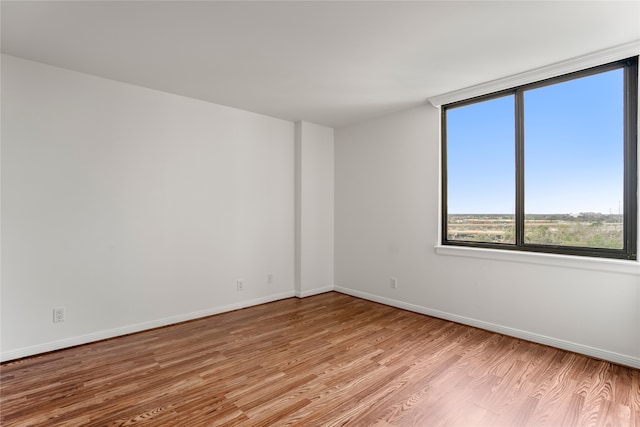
(630, 173)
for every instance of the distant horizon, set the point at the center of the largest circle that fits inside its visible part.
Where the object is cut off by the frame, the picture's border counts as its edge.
(534, 213)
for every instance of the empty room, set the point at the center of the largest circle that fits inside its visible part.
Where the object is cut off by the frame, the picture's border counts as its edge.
(319, 213)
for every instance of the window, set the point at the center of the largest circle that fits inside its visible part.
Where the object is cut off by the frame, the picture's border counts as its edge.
(547, 167)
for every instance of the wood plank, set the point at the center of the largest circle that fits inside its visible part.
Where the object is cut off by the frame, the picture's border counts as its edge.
(330, 359)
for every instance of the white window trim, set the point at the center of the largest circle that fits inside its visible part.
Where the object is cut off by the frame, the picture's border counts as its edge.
(575, 64)
(556, 260)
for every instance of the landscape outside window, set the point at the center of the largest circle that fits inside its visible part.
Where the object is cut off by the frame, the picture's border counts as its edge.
(481, 171)
(562, 142)
(574, 162)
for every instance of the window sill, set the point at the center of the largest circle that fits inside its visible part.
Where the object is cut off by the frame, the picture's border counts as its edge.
(566, 261)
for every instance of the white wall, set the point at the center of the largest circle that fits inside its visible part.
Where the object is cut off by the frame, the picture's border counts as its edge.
(386, 224)
(314, 208)
(134, 208)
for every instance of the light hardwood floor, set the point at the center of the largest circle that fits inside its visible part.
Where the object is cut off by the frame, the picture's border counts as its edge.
(330, 359)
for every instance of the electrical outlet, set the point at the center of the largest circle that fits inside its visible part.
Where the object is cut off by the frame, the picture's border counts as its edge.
(58, 315)
(269, 278)
(239, 285)
(394, 282)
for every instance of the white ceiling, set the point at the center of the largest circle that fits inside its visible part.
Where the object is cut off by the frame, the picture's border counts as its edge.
(328, 62)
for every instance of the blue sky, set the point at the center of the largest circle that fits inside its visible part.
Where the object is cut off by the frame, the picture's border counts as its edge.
(573, 150)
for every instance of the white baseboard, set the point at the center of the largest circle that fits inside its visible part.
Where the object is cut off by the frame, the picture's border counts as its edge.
(112, 333)
(621, 359)
(529, 336)
(316, 291)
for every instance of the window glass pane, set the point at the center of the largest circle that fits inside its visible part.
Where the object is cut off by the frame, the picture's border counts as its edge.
(574, 162)
(481, 171)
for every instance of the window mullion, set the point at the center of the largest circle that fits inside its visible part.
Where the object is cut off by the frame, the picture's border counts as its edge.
(519, 151)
